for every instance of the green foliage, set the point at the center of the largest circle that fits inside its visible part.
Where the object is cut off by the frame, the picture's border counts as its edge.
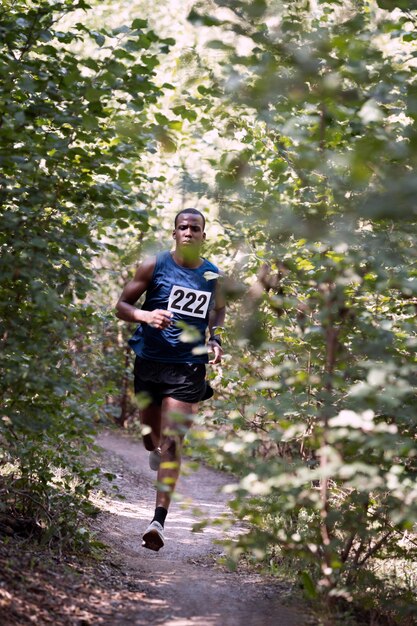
(73, 128)
(314, 106)
(316, 193)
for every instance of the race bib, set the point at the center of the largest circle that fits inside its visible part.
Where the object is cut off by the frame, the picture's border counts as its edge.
(189, 301)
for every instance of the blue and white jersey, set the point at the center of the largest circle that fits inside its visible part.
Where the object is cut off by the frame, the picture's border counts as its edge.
(189, 296)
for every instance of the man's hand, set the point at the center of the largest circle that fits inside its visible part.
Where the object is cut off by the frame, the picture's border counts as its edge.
(159, 318)
(213, 346)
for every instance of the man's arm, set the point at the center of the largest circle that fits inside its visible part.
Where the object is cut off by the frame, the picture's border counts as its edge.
(216, 321)
(125, 309)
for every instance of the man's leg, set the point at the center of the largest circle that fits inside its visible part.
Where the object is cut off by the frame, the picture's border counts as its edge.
(176, 419)
(151, 416)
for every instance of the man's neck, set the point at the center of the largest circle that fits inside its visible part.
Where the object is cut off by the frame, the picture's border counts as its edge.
(191, 261)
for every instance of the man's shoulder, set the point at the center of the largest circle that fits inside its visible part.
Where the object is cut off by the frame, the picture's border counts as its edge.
(148, 262)
(148, 266)
(152, 261)
(209, 265)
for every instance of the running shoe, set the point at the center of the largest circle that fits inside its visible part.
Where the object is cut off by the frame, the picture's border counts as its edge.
(153, 539)
(155, 459)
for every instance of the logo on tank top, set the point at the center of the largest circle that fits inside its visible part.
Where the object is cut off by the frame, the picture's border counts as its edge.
(189, 301)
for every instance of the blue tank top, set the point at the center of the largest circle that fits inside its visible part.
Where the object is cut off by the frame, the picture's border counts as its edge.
(190, 297)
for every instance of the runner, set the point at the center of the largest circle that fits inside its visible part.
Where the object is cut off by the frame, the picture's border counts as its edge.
(181, 287)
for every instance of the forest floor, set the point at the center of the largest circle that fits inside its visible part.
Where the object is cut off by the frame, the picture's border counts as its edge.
(181, 585)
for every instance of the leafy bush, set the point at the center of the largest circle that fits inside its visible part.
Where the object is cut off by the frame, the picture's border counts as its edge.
(316, 195)
(72, 130)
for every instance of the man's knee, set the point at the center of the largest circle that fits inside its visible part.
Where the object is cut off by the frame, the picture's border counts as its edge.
(148, 443)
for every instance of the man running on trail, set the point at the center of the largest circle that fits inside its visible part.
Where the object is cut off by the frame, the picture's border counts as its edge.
(181, 287)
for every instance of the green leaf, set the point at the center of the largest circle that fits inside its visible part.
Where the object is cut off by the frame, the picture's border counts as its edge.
(93, 94)
(309, 586)
(121, 30)
(139, 23)
(161, 119)
(98, 37)
(175, 125)
(185, 113)
(200, 19)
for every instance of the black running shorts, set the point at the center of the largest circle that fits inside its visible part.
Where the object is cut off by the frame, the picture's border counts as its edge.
(182, 381)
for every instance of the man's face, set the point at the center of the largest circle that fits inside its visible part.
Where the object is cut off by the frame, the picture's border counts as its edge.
(189, 233)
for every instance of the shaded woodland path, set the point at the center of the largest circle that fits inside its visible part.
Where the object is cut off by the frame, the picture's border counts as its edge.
(181, 585)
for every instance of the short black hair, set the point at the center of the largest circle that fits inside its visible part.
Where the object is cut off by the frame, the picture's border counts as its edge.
(194, 212)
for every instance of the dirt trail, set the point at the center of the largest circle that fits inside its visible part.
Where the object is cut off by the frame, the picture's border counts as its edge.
(181, 585)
